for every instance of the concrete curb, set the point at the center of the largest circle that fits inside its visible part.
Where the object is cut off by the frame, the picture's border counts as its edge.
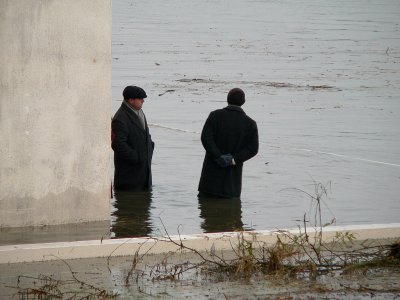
(159, 245)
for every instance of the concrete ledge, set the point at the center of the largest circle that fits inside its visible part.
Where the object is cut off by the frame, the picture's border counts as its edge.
(200, 242)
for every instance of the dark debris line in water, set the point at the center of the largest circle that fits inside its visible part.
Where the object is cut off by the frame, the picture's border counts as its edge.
(256, 83)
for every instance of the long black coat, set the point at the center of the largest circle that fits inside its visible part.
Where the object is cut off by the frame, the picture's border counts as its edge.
(133, 151)
(227, 130)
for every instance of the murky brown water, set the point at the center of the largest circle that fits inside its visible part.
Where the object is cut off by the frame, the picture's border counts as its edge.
(321, 79)
(110, 276)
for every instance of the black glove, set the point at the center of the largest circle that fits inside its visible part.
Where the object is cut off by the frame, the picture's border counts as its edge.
(225, 160)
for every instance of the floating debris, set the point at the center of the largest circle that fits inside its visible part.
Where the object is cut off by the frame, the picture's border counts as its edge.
(258, 83)
(167, 91)
(316, 87)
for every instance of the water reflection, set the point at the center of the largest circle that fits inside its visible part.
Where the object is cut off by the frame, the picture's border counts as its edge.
(132, 214)
(220, 214)
(55, 233)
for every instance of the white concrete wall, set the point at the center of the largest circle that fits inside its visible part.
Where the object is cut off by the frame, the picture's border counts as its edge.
(55, 110)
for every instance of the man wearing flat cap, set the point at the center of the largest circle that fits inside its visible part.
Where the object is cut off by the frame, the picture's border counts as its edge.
(230, 137)
(132, 144)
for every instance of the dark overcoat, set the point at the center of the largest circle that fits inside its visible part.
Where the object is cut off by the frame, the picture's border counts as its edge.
(133, 151)
(227, 130)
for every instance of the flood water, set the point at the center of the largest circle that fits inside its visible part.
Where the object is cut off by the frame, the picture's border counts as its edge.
(321, 79)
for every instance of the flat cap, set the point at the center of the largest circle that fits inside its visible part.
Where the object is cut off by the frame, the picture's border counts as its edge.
(133, 92)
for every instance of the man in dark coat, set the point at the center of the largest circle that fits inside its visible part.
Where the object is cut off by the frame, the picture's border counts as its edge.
(132, 144)
(230, 138)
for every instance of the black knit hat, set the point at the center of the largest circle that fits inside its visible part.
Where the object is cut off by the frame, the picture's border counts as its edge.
(133, 92)
(236, 97)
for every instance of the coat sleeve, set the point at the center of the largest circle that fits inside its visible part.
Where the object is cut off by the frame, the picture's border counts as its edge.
(251, 146)
(208, 138)
(119, 143)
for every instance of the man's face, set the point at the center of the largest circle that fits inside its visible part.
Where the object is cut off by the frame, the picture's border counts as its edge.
(136, 103)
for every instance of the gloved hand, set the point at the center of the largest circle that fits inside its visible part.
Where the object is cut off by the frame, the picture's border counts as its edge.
(225, 160)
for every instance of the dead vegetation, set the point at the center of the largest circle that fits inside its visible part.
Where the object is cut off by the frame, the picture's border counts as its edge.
(305, 254)
(302, 254)
(47, 287)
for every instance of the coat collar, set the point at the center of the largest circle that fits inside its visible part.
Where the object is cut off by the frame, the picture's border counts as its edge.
(133, 117)
(235, 108)
(130, 107)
